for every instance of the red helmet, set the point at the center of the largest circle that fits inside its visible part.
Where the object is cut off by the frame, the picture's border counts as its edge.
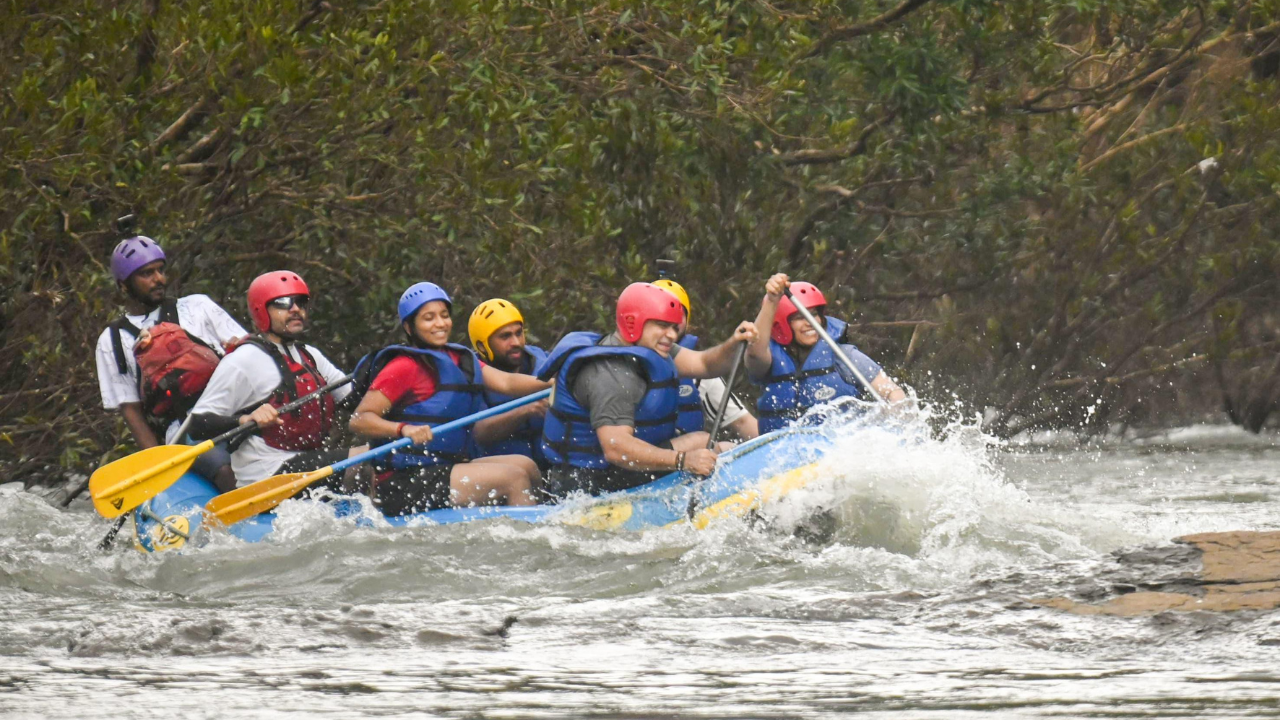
(642, 302)
(809, 296)
(268, 287)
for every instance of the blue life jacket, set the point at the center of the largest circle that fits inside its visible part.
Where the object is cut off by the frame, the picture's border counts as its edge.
(528, 441)
(689, 407)
(567, 435)
(458, 394)
(789, 392)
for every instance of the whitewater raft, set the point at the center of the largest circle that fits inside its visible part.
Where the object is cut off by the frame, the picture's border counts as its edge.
(748, 477)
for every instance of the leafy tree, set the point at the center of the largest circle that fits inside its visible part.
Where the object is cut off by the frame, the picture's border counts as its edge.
(1057, 210)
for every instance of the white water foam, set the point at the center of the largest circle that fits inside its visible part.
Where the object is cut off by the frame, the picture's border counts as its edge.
(920, 509)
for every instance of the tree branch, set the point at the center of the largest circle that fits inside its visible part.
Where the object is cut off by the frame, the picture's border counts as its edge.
(878, 22)
(182, 125)
(831, 155)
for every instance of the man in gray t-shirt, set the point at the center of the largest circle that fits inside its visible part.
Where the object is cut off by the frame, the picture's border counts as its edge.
(610, 389)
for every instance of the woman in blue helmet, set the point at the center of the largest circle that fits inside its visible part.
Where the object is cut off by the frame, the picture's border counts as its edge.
(429, 381)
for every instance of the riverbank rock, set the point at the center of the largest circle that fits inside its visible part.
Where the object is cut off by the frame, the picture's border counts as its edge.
(1215, 572)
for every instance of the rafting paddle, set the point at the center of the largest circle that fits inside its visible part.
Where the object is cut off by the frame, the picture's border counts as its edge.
(241, 503)
(728, 392)
(120, 486)
(822, 332)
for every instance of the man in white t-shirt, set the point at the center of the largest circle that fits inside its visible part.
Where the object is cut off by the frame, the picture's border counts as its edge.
(267, 371)
(737, 418)
(138, 265)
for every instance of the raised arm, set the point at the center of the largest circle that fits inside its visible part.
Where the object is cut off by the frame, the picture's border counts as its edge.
(718, 360)
(758, 356)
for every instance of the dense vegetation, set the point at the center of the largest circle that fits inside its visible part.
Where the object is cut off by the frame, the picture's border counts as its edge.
(1060, 211)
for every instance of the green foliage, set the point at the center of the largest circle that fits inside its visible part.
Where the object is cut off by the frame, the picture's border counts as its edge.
(1020, 179)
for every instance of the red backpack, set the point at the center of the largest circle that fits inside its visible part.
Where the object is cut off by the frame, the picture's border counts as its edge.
(173, 369)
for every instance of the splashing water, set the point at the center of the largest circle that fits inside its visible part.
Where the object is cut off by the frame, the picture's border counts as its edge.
(894, 584)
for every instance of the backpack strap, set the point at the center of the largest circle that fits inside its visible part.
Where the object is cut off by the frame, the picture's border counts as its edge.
(169, 311)
(117, 326)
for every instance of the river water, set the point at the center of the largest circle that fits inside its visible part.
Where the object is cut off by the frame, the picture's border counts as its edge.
(899, 586)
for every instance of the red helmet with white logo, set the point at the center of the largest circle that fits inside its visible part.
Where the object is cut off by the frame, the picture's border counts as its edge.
(642, 302)
(268, 287)
(808, 296)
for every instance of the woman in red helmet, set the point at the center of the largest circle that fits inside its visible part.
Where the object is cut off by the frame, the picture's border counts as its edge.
(269, 370)
(612, 422)
(797, 368)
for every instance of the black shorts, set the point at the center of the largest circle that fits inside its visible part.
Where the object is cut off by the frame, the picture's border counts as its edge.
(213, 460)
(309, 460)
(412, 490)
(564, 479)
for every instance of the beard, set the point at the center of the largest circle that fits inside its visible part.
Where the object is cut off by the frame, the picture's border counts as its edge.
(510, 362)
(149, 300)
(286, 334)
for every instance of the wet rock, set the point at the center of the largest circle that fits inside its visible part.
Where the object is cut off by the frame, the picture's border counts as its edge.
(1208, 572)
(503, 630)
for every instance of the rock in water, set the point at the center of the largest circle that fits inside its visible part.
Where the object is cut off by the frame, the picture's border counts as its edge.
(1215, 572)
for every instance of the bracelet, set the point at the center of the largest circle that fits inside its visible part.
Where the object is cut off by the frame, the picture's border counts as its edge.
(679, 461)
(400, 429)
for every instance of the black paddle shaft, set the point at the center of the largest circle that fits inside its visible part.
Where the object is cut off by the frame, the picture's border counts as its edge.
(251, 427)
(728, 392)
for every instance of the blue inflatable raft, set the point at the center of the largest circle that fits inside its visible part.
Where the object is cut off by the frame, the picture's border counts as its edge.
(749, 476)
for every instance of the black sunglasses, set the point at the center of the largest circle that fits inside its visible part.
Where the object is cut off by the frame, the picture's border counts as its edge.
(288, 301)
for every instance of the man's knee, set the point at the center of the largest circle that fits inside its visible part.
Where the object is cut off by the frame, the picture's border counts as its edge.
(214, 465)
(529, 467)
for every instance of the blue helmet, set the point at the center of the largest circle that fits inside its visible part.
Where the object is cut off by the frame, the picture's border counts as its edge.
(420, 294)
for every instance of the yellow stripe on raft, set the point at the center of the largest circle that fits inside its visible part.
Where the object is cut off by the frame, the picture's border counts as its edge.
(602, 517)
(739, 504)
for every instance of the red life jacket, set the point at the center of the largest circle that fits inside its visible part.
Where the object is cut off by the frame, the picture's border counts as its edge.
(308, 427)
(174, 366)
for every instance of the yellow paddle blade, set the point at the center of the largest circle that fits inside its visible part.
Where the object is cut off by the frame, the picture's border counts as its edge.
(120, 486)
(241, 503)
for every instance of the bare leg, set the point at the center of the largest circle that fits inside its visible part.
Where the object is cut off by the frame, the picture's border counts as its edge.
(353, 481)
(525, 464)
(500, 480)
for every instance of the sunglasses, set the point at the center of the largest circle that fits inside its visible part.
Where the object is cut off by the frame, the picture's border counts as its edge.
(289, 301)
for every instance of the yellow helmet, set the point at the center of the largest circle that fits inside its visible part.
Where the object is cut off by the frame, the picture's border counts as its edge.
(485, 321)
(675, 288)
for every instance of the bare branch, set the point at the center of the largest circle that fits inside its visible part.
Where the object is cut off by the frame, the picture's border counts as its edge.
(182, 125)
(823, 157)
(878, 22)
(1130, 145)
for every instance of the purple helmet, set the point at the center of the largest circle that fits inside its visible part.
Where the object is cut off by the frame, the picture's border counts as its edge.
(132, 254)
